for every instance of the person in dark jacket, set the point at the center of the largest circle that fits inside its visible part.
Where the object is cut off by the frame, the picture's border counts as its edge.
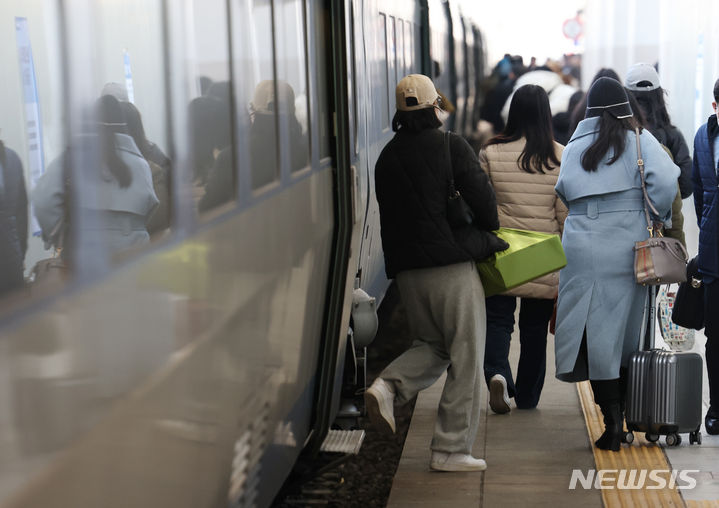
(159, 167)
(13, 221)
(643, 81)
(706, 203)
(434, 266)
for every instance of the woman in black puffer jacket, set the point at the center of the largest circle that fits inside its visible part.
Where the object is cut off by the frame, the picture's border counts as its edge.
(434, 266)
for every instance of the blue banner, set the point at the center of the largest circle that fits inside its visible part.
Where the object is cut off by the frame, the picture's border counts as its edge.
(33, 124)
(128, 77)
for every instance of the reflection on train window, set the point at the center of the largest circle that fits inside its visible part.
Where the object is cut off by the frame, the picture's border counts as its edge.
(32, 132)
(392, 57)
(114, 168)
(291, 95)
(210, 111)
(322, 56)
(383, 80)
(258, 91)
(399, 61)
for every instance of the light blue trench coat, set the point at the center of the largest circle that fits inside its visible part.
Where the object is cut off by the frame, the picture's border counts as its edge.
(597, 289)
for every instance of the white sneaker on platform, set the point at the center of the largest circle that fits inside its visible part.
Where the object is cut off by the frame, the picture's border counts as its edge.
(442, 461)
(498, 395)
(379, 400)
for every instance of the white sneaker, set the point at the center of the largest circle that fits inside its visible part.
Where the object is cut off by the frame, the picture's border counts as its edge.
(498, 395)
(379, 400)
(442, 461)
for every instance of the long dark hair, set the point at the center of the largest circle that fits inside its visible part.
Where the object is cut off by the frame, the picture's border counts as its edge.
(111, 121)
(612, 135)
(135, 128)
(416, 120)
(654, 107)
(530, 118)
(639, 117)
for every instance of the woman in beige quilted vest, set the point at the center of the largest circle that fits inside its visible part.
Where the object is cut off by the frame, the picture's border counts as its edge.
(523, 165)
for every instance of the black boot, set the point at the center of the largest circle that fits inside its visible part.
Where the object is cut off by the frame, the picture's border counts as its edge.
(607, 394)
(613, 431)
(623, 382)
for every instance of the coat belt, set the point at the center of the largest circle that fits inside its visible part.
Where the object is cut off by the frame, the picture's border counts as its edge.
(593, 207)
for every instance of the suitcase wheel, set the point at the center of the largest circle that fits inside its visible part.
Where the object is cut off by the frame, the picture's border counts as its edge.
(674, 439)
(695, 437)
(652, 438)
(628, 437)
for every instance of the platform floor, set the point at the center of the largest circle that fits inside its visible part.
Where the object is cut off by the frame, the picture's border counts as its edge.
(531, 454)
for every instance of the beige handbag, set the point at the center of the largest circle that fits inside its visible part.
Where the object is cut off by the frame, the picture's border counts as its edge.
(657, 260)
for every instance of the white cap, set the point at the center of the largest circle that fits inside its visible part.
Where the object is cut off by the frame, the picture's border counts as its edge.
(117, 90)
(640, 72)
(418, 86)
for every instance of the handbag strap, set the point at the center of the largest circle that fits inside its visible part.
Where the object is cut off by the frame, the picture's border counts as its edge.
(647, 202)
(452, 191)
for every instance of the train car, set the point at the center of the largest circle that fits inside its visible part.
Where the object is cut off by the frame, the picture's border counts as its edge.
(190, 364)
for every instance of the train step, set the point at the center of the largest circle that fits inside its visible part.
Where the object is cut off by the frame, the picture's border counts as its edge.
(343, 441)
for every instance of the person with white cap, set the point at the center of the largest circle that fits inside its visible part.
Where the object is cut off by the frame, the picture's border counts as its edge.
(643, 82)
(600, 305)
(433, 263)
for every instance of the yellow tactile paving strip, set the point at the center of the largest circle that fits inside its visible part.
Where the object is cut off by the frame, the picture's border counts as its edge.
(640, 455)
(702, 504)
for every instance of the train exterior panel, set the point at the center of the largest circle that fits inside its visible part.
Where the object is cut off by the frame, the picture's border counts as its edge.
(194, 370)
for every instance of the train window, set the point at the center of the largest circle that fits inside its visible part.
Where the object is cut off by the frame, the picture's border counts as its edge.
(408, 45)
(392, 59)
(292, 108)
(383, 63)
(322, 56)
(117, 167)
(401, 65)
(257, 91)
(32, 133)
(209, 111)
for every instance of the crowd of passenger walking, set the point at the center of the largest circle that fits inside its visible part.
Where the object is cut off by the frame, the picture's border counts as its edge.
(557, 161)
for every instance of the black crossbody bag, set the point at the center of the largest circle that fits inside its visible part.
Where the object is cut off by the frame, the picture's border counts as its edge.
(458, 211)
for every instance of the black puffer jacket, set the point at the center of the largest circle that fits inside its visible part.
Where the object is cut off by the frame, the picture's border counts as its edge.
(670, 137)
(13, 220)
(412, 186)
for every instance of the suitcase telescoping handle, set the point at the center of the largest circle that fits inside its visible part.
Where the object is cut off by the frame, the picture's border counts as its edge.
(646, 340)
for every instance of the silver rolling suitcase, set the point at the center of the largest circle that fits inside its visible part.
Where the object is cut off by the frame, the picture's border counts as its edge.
(664, 390)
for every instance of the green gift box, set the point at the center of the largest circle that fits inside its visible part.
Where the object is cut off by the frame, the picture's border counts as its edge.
(530, 255)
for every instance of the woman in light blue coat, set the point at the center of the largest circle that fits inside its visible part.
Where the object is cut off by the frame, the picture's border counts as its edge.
(115, 196)
(600, 306)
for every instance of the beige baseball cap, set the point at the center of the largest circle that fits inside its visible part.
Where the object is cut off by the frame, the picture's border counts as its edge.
(419, 87)
(263, 100)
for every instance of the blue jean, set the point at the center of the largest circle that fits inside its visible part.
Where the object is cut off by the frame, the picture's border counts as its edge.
(534, 316)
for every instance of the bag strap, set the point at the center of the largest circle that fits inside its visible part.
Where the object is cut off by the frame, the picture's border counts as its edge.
(647, 202)
(452, 190)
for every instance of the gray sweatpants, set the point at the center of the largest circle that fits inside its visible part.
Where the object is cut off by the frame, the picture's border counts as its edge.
(447, 316)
